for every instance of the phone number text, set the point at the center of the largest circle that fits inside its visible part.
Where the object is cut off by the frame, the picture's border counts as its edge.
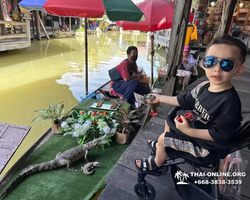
(214, 182)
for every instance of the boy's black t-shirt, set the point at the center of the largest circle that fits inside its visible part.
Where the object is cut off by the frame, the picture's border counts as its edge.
(219, 112)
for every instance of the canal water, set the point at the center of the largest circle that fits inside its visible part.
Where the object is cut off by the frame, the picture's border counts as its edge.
(53, 71)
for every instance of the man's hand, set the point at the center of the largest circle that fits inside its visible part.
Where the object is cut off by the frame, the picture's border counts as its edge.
(139, 75)
(182, 126)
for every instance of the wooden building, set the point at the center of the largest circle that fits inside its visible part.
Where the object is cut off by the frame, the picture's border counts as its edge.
(14, 26)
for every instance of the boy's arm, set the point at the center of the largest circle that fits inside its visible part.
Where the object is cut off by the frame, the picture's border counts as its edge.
(185, 101)
(185, 128)
(198, 133)
(169, 100)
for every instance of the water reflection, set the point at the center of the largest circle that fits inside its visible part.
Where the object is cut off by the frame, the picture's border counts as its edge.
(53, 71)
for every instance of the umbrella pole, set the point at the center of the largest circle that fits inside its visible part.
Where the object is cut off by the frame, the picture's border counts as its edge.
(86, 55)
(152, 60)
(70, 24)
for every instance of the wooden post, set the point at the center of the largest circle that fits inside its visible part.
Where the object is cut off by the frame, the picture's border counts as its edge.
(86, 55)
(38, 28)
(70, 24)
(177, 39)
(227, 14)
(52, 24)
(27, 20)
(43, 27)
(81, 26)
(33, 21)
(60, 21)
(2, 26)
(152, 59)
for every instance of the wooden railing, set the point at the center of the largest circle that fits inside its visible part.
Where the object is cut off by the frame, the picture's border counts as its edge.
(15, 40)
(13, 23)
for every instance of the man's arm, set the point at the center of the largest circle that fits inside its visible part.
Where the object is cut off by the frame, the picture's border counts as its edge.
(137, 76)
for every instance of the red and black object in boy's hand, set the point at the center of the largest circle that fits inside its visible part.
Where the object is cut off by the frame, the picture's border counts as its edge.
(189, 117)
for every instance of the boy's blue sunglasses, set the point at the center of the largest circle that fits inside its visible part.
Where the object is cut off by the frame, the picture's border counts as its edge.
(226, 65)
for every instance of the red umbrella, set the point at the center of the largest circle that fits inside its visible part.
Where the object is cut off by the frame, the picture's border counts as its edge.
(158, 13)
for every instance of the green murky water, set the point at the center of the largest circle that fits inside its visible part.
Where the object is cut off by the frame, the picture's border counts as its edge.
(53, 71)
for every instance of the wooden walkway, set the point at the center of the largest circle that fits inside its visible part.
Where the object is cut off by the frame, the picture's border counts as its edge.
(11, 136)
(120, 183)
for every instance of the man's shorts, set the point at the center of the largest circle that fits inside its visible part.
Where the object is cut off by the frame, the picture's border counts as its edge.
(179, 145)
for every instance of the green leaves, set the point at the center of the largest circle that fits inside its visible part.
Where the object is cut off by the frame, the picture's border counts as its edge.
(37, 119)
(54, 113)
(126, 119)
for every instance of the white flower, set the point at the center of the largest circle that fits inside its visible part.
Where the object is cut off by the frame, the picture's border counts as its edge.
(113, 120)
(88, 122)
(106, 129)
(77, 126)
(90, 112)
(64, 125)
(101, 124)
(75, 134)
(113, 131)
(87, 125)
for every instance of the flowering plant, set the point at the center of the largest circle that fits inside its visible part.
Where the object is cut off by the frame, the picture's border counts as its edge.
(86, 126)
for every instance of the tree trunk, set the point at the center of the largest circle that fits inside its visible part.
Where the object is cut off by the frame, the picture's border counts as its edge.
(177, 39)
(227, 13)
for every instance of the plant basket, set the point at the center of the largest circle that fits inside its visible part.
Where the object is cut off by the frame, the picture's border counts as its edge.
(55, 128)
(122, 138)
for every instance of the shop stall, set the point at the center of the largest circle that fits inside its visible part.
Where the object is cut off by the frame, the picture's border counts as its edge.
(14, 26)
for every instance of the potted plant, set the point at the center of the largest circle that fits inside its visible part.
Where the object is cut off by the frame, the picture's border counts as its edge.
(55, 113)
(125, 127)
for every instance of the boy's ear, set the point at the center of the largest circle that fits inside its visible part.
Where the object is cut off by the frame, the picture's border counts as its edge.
(240, 70)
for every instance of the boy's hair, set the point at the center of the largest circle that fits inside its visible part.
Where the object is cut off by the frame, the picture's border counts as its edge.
(131, 48)
(228, 40)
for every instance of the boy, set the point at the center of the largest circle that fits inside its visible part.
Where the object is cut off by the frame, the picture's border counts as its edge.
(216, 109)
(130, 82)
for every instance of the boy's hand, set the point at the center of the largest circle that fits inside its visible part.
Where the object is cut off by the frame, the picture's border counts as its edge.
(156, 98)
(182, 126)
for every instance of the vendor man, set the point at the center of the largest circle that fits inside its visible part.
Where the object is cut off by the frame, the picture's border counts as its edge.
(130, 75)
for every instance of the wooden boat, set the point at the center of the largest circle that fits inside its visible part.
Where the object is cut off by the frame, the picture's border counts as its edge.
(143, 115)
(63, 34)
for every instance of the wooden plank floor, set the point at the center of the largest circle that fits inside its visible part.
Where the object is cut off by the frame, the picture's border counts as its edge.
(11, 136)
(121, 181)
